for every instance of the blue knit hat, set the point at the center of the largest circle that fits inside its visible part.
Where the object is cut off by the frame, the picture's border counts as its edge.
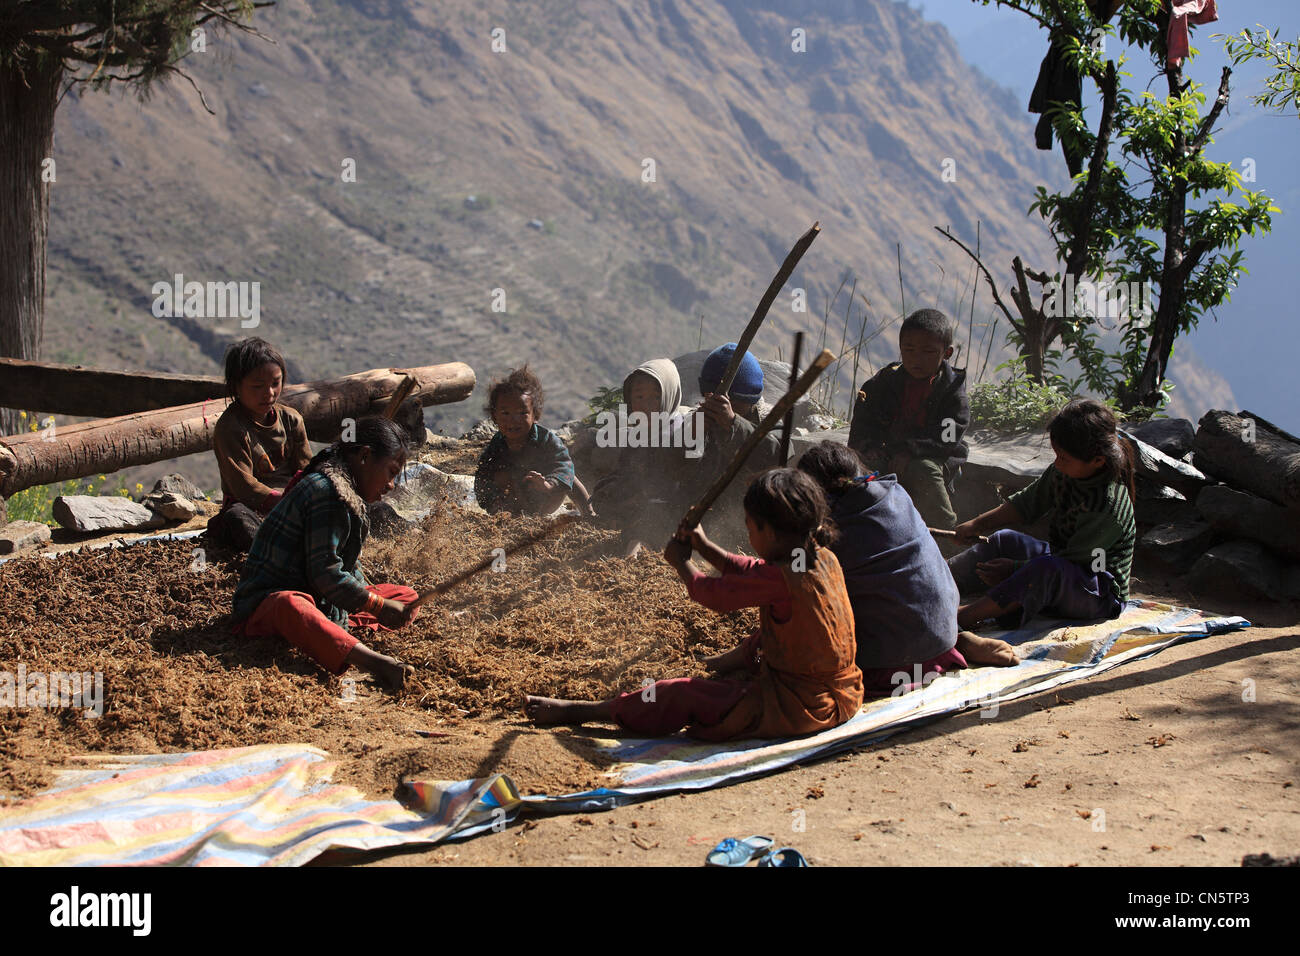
(748, 384)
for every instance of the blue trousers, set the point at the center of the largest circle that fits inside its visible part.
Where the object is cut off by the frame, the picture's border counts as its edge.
(1048, 585)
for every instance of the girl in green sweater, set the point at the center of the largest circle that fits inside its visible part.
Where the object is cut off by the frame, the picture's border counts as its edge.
(1082, 571)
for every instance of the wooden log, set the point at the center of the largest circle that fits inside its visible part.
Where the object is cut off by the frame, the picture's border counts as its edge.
(1249, 453)
(74, 390)
(104, 445)
(765, 303)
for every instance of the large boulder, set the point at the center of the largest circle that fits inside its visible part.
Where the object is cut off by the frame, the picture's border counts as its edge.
(1151, 463)
(1243, 569)
(1238, 514)
(104, 513)
(1178, 544)
(1173, 436)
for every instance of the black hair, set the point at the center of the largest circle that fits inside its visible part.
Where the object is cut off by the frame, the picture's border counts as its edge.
(247, 356)
(384, 438)
(1085, 429)
(522, 382)
(793, 504)
(931, 322)
(832, 465)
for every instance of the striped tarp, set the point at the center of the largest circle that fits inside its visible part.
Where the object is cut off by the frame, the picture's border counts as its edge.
(275, 805)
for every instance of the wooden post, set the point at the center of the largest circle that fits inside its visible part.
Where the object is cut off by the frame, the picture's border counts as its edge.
(89, 448)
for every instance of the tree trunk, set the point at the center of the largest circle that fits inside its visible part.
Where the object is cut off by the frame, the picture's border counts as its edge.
(27, 102)
(91, 448)
(1166, 322)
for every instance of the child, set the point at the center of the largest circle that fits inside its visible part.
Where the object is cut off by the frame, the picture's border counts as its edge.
(1083, 573)
(903, 596)
(728, 422)
(302, 581)
(525, 467)
(909, 418)
(259, 443)
(638, 496)
(801, 658)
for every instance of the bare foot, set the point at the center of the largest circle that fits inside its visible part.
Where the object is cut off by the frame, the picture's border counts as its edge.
(389, 671)
(545, 711)
(986, 650)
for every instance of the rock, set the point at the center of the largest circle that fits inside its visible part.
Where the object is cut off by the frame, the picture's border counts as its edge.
(483, 431)
(1152, 463)
(801, 442)
(1173, 436)
(1240, 569)
(1157, 505)
(179, 485)
(171, 506)
(421, 487)
(1179, 543)
(17, 535)
(385, 522)
(1241, 515)
(104, 513)
(439, 442)
(1008, 463)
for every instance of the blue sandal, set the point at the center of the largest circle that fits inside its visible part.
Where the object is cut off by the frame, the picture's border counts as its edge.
(733, 852)
(786, 856)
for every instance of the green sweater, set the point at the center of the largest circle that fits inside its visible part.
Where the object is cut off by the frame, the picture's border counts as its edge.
(1095, 514)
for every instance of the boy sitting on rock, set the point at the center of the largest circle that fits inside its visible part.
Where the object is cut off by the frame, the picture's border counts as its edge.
(910, 417)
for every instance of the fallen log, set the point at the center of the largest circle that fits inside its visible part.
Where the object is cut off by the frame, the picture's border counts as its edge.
(104, 445)
(1250, 453)
(73, 390)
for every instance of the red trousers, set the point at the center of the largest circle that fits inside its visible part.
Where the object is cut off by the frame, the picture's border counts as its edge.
(294, 616)
(669, 705)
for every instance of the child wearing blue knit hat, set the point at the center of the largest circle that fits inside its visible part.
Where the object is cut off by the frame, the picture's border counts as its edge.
(729, 420)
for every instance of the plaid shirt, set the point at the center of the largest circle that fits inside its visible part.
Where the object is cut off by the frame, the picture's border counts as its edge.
(310, 542)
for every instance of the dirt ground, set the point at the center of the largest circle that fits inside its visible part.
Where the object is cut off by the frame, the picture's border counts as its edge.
(1157, 762)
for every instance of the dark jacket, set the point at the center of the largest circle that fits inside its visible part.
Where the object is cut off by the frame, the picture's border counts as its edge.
(877, 408)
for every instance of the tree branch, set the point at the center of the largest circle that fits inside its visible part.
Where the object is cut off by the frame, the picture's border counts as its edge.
(992, 285)
(1220, 102)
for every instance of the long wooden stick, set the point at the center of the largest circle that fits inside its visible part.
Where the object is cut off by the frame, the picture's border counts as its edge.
(941, 533)
(771, 421)
(522, 545)
(403, 392)
(765, 303)
(787, 426)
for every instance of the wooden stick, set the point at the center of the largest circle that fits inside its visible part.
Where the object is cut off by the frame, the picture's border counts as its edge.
(777, 413)
(522, 545)
(787, 426)
(940, 533)
(760, 313)
(403, 392)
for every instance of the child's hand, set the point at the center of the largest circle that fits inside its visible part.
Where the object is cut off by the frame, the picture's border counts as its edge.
(677, 552)
(967, 532)
(995, 571)
(538, 482)
(395, 614)
(718, 410)
(699, 540)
